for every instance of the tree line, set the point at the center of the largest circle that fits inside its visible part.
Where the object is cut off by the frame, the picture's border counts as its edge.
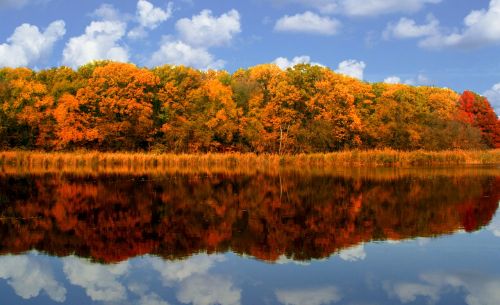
(112, 106)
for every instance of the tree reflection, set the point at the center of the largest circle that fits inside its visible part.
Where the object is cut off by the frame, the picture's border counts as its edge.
(112, 218)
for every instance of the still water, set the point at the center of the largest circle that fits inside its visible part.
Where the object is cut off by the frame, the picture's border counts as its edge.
(291, 238)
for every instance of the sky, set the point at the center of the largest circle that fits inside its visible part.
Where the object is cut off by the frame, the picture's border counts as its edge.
(445, 43)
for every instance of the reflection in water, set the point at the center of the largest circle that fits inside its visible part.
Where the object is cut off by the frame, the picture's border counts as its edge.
(101, 282)
(479, 289)
(29, 276)
(165, 240)
(311, 296)
(113, 218)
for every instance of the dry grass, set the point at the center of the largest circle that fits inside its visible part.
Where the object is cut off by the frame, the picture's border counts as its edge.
(150, 163)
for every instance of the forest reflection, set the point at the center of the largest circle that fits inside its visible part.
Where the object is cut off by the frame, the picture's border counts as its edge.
(111, 218)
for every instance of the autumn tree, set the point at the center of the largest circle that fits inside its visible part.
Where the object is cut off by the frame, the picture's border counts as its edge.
(120, 98)
(336, 121)
(477, 111)
(273, 119)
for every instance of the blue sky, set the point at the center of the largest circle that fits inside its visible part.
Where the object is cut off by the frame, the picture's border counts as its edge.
(449, 43)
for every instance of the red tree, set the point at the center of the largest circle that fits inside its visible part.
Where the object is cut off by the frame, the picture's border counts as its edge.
(477, 111)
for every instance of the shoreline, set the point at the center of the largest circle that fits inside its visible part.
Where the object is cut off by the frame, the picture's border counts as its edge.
(130, 162)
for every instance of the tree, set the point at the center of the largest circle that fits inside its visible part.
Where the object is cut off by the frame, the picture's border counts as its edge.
(477, 111)
(120, 97)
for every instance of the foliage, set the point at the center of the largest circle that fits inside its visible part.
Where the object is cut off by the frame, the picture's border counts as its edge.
(111, 106)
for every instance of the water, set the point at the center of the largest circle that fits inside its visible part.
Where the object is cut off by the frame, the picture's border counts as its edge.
(352, 237)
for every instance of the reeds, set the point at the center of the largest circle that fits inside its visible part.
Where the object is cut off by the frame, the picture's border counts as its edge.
(149, 163)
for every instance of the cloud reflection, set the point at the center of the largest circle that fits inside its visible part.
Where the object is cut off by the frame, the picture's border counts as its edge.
(311, 296)
(494, 226)
(353, 254)
(177, 271)
(29, 276)
(208, 290)
(101, 282)
(479, 289)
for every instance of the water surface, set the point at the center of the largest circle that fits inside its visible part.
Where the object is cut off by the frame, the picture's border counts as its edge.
(384, 236)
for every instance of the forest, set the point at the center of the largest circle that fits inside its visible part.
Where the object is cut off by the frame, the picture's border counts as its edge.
(111, 106)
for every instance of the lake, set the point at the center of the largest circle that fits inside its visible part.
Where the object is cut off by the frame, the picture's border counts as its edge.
(310, 237)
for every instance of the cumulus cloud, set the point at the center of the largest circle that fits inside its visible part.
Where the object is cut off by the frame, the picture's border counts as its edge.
(99, 281)
(493, 96)
(408, 28)
(311, 296)
(378, 7)
(208, 290)
(353, 254)
(479, 289)
(180, 53)
(29, 277)
(419, 80)
(308, 22)
(352, 68)
(285, 63)
(149, 17)
(100, 41)
(481, 28)
(205, 30)
(108, 12)
(364, 7)
(392, 80)
(27, 44)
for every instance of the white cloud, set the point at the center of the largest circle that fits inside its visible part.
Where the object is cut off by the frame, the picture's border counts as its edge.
(149, 17)
(285, 63)
(392, 80)
(180, 53)
(312, 296)
(353, 254)
(27, 44)
(208, 290)
(107, 12)
(419, 80)
(29, 277)
(481, 28)
(379, 7)
(308, 22)
(493, 96)
(352, 68)
(100, 42)
(177, 271)
(99, 281)
(364, 7)
(205, 30)
(407, 28)
(479, 289)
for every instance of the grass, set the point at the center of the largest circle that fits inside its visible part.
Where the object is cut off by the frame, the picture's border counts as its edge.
(145, 163)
